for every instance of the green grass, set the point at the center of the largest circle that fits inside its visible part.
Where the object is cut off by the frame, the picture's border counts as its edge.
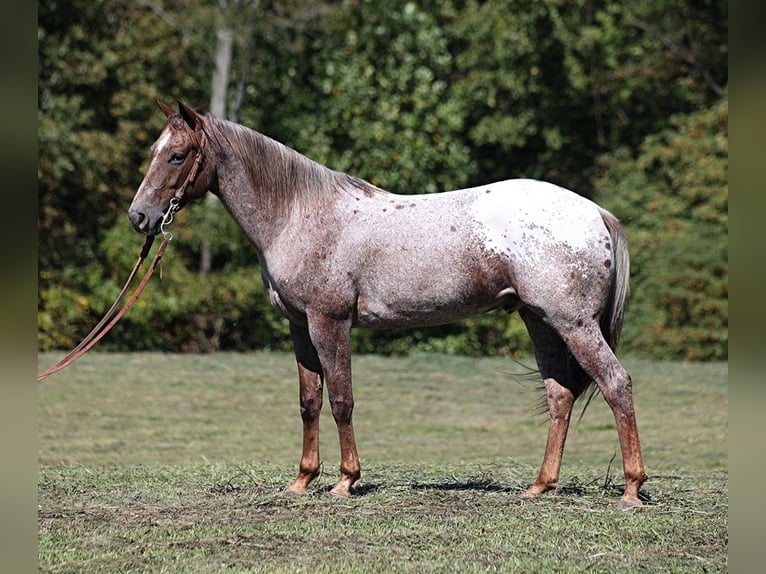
(178, 463)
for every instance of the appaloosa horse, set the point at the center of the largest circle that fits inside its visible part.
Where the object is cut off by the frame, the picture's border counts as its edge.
(337, 252)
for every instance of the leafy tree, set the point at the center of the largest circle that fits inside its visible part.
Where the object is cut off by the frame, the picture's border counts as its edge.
(101, 63)
(95, 101)
(519, 102)
(673, 198)
(545, 88)
(372, 99)
(646, 61)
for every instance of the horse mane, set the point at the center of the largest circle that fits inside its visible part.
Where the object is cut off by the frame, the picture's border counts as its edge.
(282, 177)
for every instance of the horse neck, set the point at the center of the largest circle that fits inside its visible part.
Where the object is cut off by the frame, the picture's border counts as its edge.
(265, 185)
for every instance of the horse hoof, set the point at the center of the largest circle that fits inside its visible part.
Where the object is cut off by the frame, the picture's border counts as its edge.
(629, 503)
(537, 489)
(295, 490)
(340, 492)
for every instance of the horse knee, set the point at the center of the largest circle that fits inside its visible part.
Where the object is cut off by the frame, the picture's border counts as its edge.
(342, 409)
(311, 406)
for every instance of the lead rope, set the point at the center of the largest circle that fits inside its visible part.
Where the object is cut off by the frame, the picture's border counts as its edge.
(112, 315)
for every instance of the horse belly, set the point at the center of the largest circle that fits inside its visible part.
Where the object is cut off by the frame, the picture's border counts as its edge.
(421, 297)
(377, 313)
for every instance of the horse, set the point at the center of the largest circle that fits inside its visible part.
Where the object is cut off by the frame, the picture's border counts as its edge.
(337, 252)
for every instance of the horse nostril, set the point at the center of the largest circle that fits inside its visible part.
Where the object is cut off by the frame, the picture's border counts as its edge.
(136, 218)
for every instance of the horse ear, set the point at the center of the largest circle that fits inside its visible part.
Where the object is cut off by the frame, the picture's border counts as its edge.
(166, 109)
(191, 117)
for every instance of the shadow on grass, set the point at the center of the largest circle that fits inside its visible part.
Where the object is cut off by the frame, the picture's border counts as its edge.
(471, 485)
(479, 485)
(475, 485)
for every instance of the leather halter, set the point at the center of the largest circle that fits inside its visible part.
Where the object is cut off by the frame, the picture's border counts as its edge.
(175, 202)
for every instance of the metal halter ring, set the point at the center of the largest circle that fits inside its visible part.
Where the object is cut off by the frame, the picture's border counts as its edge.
(168, 218)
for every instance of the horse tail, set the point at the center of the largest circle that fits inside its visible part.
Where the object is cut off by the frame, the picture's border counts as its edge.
(611, 320)
(614, 310)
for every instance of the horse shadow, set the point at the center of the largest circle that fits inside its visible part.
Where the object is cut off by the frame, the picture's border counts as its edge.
(481, 485)
(468, 485)
(368, 488)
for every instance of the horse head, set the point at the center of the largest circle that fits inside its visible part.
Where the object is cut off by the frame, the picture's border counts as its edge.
(176, 174)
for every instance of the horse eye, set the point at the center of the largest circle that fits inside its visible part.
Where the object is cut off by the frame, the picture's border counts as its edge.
(177, 158)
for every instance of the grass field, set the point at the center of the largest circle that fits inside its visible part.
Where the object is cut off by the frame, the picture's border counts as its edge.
(178, 463)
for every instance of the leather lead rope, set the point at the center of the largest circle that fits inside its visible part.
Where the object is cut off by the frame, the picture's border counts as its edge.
(112, 315)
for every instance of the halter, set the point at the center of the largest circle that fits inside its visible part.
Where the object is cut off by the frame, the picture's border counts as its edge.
(175, 202)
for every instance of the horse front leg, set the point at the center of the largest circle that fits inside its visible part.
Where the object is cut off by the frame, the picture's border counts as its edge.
(332, 339)
(310, 381)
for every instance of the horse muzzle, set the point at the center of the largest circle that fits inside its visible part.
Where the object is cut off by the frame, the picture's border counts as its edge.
(144, 223)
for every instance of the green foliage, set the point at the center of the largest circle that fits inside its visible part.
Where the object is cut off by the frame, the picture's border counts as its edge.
(101, 63)
(490, 334)
(518, 99)
(378, 105)
(673, 198)
(178, 310)
(547, 87)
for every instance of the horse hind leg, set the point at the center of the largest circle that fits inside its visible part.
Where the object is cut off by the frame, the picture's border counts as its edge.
(563, 384)
(591, 350)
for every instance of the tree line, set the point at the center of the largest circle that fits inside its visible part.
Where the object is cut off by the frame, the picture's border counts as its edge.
(626, 103)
